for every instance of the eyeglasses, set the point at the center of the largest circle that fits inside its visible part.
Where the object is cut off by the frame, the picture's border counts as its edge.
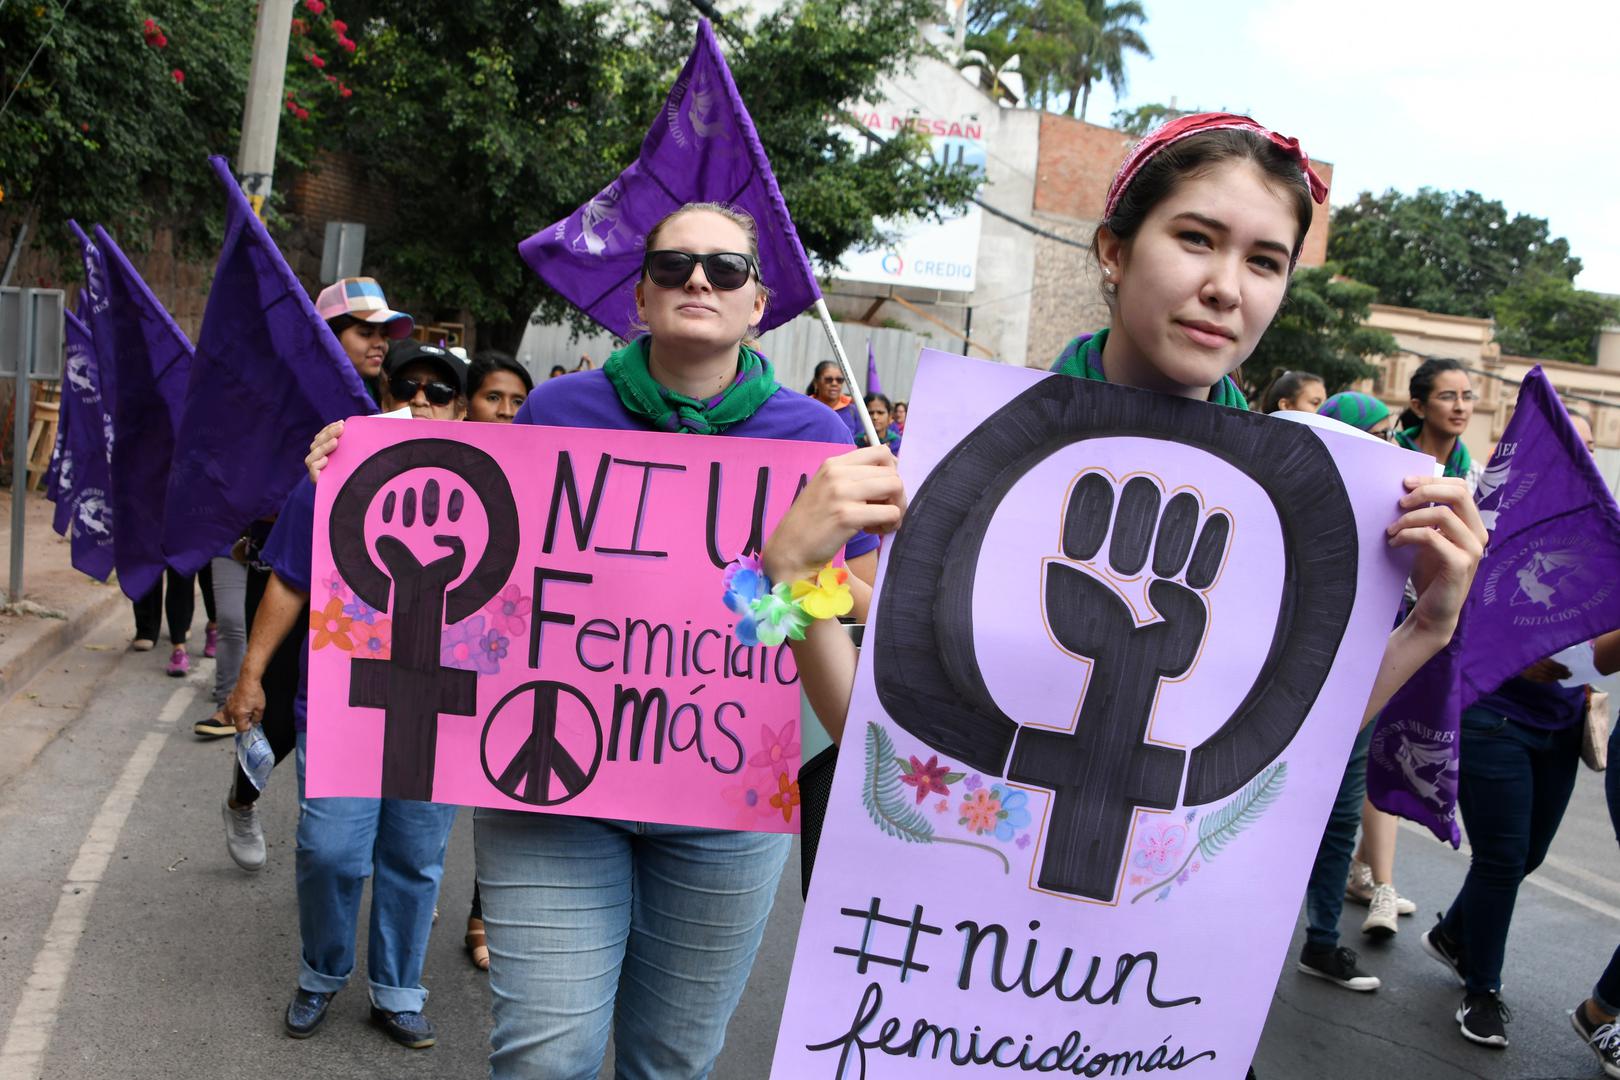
(403, 390)
(1451, 397)
(833, 380)
(726, 270)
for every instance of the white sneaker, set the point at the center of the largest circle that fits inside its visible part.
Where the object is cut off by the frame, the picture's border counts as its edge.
(244, 838)
(1380, 921)
(1359, 888)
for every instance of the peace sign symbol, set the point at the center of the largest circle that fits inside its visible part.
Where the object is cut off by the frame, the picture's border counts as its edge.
(542, 763)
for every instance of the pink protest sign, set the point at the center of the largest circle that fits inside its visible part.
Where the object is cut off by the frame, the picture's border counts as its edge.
(531, 618)
(1120, 650)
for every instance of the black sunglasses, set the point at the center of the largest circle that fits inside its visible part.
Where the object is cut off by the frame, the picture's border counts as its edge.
(403, 390)
(726, 270)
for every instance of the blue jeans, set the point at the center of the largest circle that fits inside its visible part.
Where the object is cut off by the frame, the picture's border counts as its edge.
(1514, 783)
(1324, 892)
(647, 930)
(340, 843)
(1607, 992)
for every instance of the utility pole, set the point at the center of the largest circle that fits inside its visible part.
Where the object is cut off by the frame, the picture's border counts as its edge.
(261, 114)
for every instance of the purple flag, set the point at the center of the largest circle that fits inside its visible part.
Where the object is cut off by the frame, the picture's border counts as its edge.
(702, 148)
(1550, 579)
(872, 384)
(144, 362)
(83, 468)
(267, 375)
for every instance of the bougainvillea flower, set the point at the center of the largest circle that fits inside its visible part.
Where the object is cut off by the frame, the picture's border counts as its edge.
(315, 6)
(316, 61)
(340, 27)
(177, 75)
(347, 43)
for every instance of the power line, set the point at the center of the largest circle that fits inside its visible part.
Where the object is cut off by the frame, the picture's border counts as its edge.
(30, 66)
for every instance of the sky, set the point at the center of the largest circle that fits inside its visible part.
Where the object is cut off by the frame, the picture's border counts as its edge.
(1520, 102)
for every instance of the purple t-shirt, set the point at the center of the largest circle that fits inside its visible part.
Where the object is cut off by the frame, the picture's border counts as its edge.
(586, 399)
(1544, 706)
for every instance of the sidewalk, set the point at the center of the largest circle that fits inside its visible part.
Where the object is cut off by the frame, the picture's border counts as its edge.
(30, 642)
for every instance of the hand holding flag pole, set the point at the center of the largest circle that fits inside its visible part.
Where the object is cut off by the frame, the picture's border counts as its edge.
(702, 148)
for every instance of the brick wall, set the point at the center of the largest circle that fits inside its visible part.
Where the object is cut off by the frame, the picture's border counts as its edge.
(1077, 163)
(1067, 296)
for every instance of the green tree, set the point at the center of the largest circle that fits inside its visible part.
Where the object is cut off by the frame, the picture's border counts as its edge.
(1040, 34)
(1543, 315)
(1144, 118)
(1451, 252)
(1319, 329)
(534, 109)
(114, 107)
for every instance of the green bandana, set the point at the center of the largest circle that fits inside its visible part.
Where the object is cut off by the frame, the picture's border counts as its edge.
(664, 409)
(1457, 464)
(1082, 358)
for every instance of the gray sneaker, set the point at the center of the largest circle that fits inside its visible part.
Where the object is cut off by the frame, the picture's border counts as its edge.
(244, 838)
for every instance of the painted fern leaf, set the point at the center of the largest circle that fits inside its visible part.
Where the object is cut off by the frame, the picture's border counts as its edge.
(1219, 828)
(885, 795)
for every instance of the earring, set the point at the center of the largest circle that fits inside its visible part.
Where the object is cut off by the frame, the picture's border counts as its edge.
(1109, 287)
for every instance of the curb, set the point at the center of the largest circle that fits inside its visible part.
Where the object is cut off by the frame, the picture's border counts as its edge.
(63, 635)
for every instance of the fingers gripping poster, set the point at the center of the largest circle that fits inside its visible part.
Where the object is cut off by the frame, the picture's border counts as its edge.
(531, 618)
(1119, 653)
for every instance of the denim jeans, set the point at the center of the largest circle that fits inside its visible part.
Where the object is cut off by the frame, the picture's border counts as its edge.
(1514, 783)
(1324, 892)
(341, 842)
(1607, 991)
(594, 925)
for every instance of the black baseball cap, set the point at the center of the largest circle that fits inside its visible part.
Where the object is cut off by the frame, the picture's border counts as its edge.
(409, 351)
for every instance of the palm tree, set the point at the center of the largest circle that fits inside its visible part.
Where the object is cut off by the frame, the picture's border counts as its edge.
(1099, 53)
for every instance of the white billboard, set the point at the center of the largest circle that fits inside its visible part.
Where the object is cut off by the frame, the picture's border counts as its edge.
(922, 253)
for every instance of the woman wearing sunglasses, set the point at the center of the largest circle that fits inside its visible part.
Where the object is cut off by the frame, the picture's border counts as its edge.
(646, 931)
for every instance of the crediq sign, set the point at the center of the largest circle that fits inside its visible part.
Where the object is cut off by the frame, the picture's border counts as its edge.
(925, 254)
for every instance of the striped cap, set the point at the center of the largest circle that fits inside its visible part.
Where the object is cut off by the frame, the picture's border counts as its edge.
(1359, 410)
(362, 298)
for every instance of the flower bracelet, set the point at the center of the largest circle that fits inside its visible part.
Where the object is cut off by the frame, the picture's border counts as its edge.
(769, 614)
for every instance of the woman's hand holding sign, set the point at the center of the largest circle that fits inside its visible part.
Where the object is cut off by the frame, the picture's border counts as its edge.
(1438, 518)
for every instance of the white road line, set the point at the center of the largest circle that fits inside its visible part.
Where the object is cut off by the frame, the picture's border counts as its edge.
(1567, 892)
(23, 1055)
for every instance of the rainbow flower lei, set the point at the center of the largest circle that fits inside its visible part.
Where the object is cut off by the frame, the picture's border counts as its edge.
(769, 614)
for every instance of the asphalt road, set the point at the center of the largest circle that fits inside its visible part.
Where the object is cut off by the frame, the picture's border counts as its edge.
(132, 948)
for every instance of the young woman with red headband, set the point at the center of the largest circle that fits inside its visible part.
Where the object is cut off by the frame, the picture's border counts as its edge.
(1200, 233)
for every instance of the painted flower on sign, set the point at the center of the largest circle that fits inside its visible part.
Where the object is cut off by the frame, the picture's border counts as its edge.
(777, 749)
(1159, 846)
(373, 640)
(459, 645)
(786, 797)
(980, 811)
(930, 778)
(329, 626)
(509, 611)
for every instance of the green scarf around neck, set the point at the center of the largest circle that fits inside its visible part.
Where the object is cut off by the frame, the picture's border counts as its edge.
(1082, 359)
(665, 410)
(1457, 463)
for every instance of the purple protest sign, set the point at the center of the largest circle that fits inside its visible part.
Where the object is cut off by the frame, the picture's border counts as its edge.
(702, 148)
(1118, 655)
(1550, 579)
(144, 361)
(872, 384)
(267, 375)
(82, 479)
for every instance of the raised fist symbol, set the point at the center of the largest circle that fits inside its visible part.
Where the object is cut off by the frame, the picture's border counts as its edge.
(1092, 618)
(411, 686)
(926, 665)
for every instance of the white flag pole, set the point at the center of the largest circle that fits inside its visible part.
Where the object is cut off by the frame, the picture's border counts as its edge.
(849, 373)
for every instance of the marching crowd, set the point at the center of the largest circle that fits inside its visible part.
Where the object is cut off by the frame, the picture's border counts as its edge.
(593, 928)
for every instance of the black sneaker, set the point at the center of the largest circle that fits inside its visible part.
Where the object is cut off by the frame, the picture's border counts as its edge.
(1481, 1017)
(409, 1029)
(1336, 965)
(1438, 944)
(306, 1012)
(1604, 1039)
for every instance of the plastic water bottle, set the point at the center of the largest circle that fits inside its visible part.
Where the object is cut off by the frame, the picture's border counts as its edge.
(253, 753)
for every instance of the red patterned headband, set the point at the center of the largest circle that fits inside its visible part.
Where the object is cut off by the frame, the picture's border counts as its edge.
(1195, 124)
